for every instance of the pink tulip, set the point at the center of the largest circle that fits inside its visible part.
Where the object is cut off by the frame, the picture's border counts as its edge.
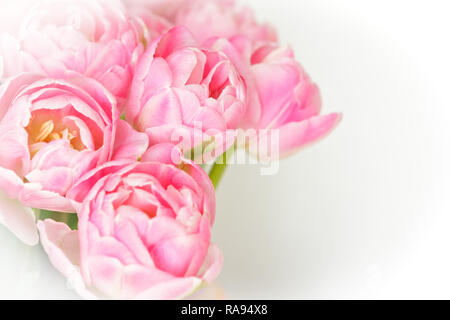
(52, 132)
(94, 38)
(282, 97)
(210, 18)
(144, 230)
(181, 91)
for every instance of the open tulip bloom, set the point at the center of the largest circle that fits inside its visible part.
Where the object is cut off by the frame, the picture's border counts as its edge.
(117, 121)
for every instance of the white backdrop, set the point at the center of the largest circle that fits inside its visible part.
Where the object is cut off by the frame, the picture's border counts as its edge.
(363, 214)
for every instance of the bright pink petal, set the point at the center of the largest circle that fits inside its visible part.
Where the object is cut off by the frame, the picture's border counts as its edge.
(175, 39)
(180, 255)
(276, 84)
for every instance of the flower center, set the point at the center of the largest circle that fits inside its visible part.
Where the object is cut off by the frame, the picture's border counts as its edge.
(45, 132)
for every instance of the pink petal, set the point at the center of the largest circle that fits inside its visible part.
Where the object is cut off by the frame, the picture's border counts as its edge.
(10, 88)
(9, 51)
(10, 183)
(162, 109)
(210, 119)
(203, 180)
(129, 143)
(138, 279)
(159, 77)
(35, 197)
(106, 275)
(276, 85)
(56, 179)
(187, 65)
(176, 289)
(296, 135)
(164, 153)
(175, 39)
(212, 265)
(57, 153)
(14, 141)
(62, 247)
(180, 256)
(19, 219)
(127, 233)
(189, 103)
(171, 133)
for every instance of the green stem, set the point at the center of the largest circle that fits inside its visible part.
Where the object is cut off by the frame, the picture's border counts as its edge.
(219, 168)
(71, 219)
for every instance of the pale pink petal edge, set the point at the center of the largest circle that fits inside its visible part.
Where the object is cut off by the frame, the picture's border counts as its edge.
(52, 234)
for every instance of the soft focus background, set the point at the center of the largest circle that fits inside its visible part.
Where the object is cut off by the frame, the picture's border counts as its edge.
(365, 213)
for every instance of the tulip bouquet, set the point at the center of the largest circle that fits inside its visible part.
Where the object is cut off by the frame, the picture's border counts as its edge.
(116, 122)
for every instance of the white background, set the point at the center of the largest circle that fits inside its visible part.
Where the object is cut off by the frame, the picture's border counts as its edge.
(365, 213)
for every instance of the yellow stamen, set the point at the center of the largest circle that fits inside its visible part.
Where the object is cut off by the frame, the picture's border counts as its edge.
(72, 135)
(66, 134)
(46, 130)
(54, 136)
